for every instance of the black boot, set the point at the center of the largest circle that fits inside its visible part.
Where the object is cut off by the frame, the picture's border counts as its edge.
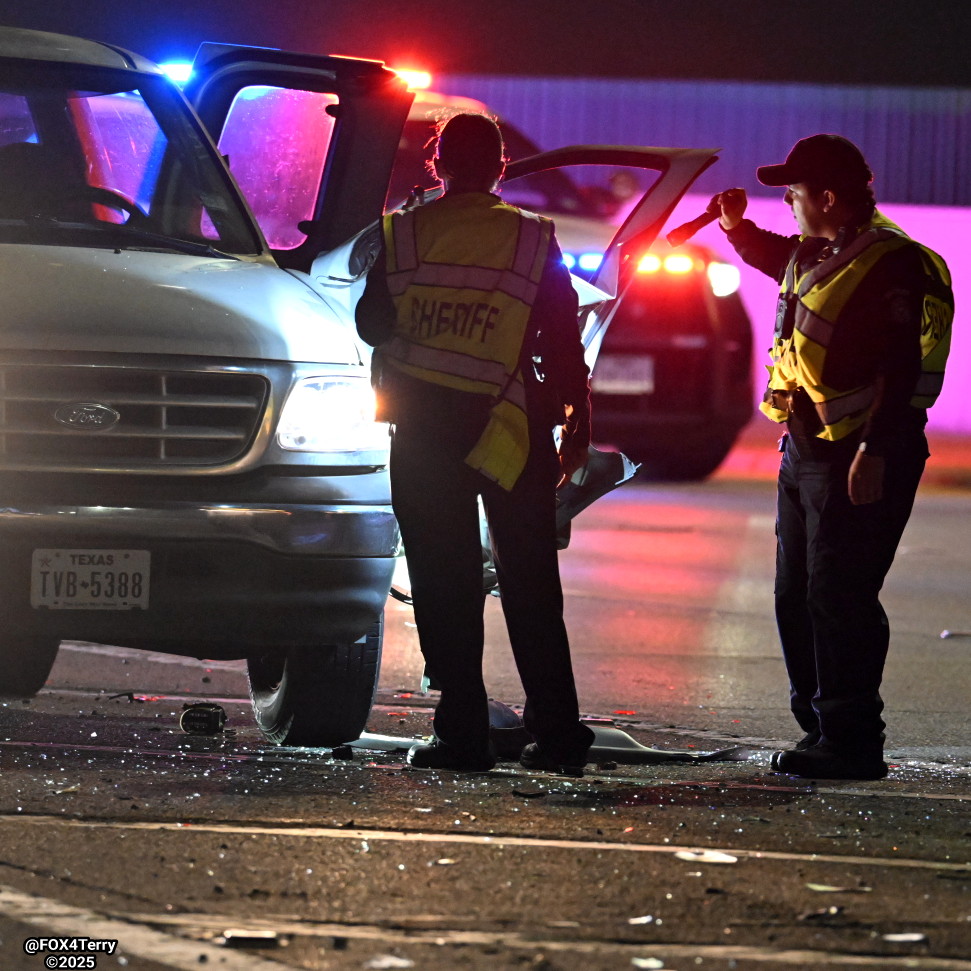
(823, 761)
(437, 755)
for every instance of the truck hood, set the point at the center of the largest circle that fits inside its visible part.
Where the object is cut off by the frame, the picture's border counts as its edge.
(68, 298)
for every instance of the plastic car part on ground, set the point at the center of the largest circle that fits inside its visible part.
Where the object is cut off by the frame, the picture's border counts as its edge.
(610, 744)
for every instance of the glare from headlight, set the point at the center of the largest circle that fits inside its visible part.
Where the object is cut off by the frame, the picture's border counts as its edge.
(724, 278)
(331, 414)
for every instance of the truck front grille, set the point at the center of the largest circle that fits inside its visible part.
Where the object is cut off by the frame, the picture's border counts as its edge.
(94, 417)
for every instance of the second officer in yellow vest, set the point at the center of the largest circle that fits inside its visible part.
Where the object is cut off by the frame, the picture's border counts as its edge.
(862, 333)
(466, 295)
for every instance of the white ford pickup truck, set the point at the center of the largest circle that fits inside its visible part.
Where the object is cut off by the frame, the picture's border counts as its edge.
(189, 461)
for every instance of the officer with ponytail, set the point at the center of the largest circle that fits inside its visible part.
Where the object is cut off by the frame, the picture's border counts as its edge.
(478, 358)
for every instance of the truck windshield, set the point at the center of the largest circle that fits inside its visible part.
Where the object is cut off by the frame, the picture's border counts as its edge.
(96, 157)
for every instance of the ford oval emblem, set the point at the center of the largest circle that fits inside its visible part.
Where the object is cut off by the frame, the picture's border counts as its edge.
(87, 415)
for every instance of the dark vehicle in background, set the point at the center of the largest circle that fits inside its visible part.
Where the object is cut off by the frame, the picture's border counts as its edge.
(672, 382)
(672, 386)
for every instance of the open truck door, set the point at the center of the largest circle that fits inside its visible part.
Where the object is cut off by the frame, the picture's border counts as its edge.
(310, 140)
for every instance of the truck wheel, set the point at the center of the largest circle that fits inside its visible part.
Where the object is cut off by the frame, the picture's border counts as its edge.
(25, 663)
(316, 696)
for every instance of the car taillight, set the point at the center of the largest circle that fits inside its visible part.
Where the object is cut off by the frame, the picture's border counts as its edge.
(724, 278)
(675, 263)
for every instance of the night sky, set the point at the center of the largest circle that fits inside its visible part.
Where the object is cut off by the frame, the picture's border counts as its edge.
(866, 42)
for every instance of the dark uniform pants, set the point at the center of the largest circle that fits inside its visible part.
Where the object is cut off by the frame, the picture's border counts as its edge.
(435, 497)
(831, 561)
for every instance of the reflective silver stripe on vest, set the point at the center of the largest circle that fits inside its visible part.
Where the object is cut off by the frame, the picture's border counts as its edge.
(836, 409)
(459, 365)
(929, 384)
(839, 260)
(515, 392)
(458, 277)
(527, 246)
(405, 244)
(808, 323)
(815, 328)
(520, 281)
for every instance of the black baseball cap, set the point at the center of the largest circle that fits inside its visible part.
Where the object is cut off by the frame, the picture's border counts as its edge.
(819, 158)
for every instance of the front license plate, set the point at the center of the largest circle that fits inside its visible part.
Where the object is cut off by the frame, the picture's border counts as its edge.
(89, 579)
(623, 374)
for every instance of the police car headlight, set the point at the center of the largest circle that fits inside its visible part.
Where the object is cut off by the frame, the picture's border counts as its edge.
(724, 278)
(331, 414)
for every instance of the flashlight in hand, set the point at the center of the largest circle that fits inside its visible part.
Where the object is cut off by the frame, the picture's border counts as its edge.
(681, 234)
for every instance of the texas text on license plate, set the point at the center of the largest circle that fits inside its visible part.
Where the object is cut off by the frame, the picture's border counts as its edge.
(623, 374)
(89, 579)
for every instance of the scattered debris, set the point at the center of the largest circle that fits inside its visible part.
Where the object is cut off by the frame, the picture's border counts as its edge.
(910, 937)
(203, 718)
(656, 964)
(646, 919)
(826, 888)
(386, 962)
(241, 937)
(705, 856)
(821, 914)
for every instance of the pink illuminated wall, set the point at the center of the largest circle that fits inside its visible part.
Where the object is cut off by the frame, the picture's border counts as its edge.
(944, 229)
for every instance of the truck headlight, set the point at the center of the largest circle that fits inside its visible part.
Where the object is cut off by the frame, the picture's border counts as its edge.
(331, 414)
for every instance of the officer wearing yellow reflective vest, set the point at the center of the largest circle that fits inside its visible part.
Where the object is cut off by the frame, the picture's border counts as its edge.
(862, 334)
(463, 306)
(477, 357)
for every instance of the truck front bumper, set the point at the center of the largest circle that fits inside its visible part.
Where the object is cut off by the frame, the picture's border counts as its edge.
(227, 580)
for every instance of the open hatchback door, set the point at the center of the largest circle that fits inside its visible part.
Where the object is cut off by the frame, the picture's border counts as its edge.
(603, 292)
(675, 170)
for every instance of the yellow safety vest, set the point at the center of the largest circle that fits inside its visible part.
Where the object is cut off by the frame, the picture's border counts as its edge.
(818, 296)
(464, 272)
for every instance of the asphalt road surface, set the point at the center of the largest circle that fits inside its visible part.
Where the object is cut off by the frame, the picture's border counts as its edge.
(193, 852)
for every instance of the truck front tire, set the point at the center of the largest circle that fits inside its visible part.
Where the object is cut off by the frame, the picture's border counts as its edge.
(317, 697)
(25, 663)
